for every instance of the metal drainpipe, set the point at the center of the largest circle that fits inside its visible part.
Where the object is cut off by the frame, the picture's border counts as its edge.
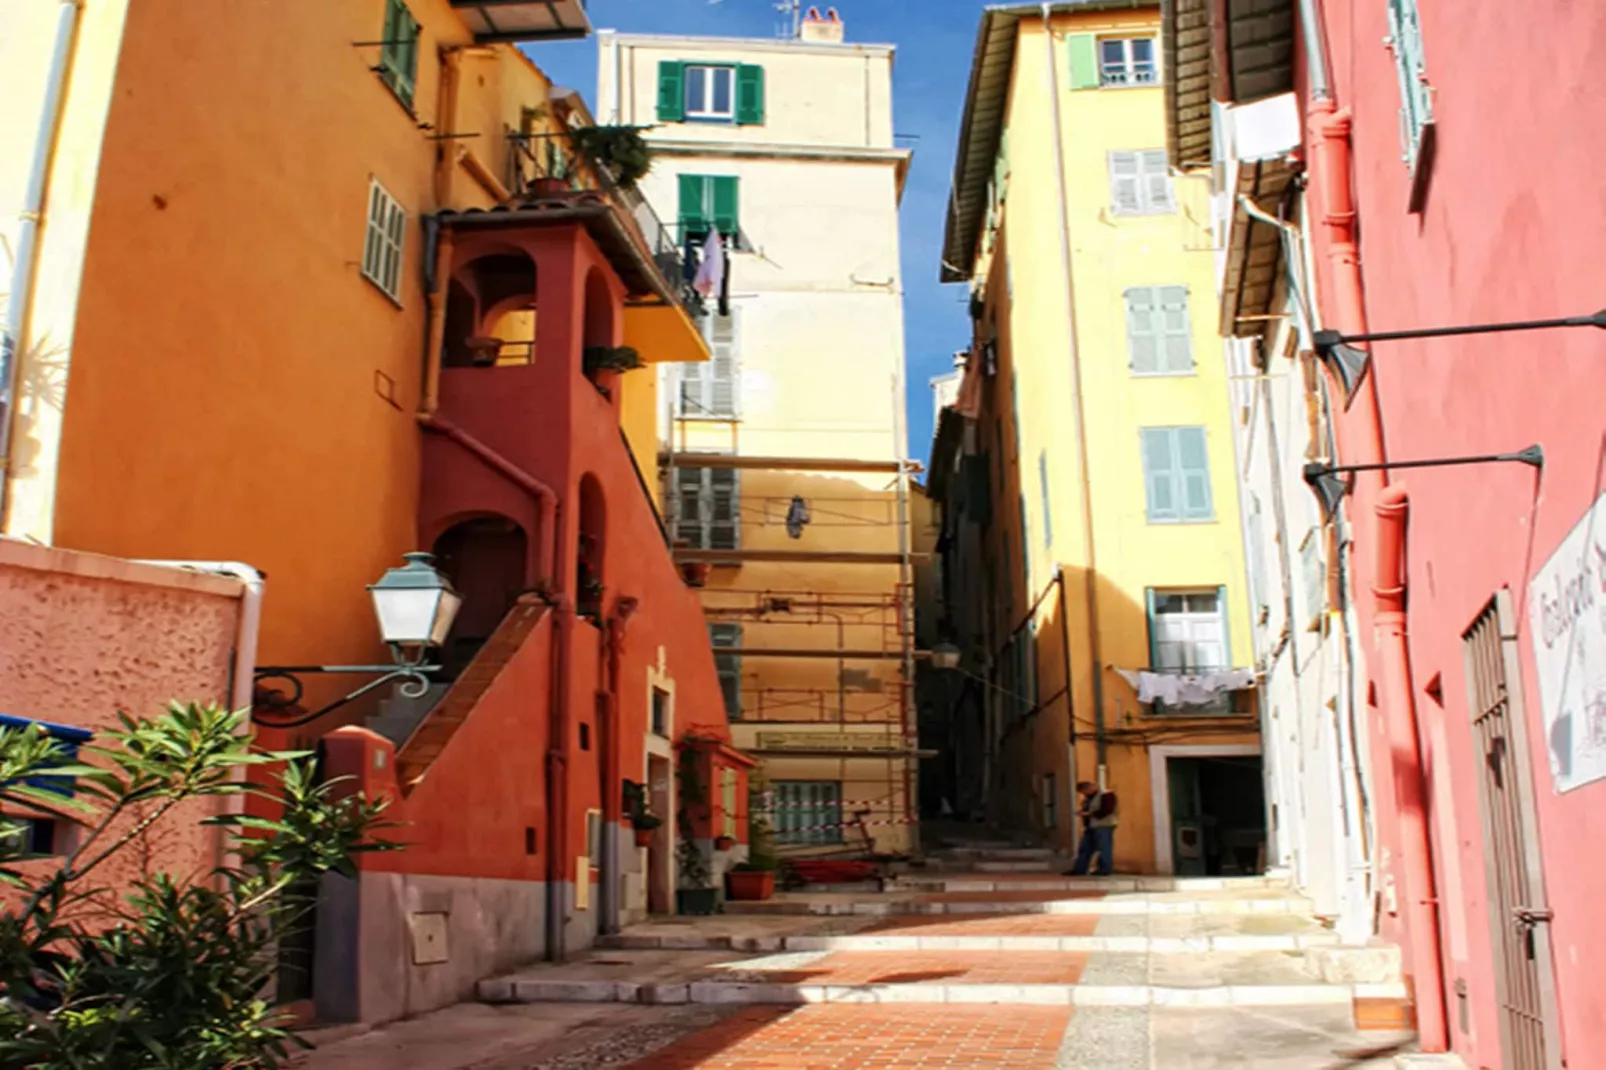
(22, 270)
(1078, 423)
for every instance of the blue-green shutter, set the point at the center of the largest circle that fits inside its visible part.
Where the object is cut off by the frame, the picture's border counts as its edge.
(749, 95)
(1048, 512)
(1159, 475)
(1082, 48)
(693, 214)
(671, 91)
(398, 55)
(1154, 649)
(1193, 474)
(725, 205)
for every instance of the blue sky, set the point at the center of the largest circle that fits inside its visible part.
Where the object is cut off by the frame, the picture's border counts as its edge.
(934, 39)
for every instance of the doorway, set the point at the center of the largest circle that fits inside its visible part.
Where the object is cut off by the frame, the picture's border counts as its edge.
(1210, 810)
(660, 875)
(1518, 912)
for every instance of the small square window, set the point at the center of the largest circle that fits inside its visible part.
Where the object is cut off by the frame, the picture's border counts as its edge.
(1127, 61)
(711, 93)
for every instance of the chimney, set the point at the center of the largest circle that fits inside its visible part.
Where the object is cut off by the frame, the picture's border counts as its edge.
(822, 30)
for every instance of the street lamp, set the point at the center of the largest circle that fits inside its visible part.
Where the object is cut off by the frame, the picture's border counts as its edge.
(414, 606)
(944, 656)
(1326, 482)
(1350, 365)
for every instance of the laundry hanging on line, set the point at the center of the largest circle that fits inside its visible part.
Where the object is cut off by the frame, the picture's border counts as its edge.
(1185, 689)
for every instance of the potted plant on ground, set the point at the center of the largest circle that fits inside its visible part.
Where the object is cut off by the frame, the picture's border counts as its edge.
(754, 879)
(724, 843)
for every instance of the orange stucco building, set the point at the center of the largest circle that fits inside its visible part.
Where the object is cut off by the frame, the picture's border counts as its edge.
(338, 294)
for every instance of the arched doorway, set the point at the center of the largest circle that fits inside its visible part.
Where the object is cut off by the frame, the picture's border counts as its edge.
(487, 560)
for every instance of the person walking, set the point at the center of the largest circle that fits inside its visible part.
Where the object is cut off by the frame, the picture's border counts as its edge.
(1099, 819)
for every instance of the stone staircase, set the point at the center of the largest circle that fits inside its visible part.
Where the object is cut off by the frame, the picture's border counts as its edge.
(1010, 938)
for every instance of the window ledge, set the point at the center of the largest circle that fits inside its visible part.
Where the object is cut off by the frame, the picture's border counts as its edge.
(1183, 523)
(1191, 373)
(381, 291)
(1116, 213)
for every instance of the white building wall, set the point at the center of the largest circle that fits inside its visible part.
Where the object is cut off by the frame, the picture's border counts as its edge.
(1314, 686)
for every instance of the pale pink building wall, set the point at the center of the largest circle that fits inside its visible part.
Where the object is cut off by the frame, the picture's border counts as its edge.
(83, 636)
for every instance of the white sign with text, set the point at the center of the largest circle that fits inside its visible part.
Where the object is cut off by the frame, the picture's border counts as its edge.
(1567, 618)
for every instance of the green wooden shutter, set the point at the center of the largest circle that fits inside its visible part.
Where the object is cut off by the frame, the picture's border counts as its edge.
(1154, 646)
(1142, 345)
(1083, 51)
(671, 91)
(1159, 474)
(725, 205)
(749, 95)
(1171, 317)
(1193, 474)
(693, 216)
(1048, 512)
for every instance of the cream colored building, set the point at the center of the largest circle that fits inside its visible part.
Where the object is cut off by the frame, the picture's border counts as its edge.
(785, 148)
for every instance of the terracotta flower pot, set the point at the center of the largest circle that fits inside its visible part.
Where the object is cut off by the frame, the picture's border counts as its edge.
(751, 884)
(644, 837)
(723, 843)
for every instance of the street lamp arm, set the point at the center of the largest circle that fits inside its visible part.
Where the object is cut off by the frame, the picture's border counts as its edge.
(1325, 340)
(1325, 482)
(415, 684)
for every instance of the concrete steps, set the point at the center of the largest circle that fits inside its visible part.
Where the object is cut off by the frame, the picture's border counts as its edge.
(1136, 903)
(975, 938)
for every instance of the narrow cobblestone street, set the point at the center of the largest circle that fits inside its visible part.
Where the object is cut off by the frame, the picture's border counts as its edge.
(1025, 970)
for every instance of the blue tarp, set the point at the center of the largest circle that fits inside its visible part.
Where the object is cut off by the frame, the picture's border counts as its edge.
(70, 739)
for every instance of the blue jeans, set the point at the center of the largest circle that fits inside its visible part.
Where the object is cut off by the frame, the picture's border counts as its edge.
(1100, 839)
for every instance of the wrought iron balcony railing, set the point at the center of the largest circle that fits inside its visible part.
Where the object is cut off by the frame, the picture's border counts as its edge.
(550, 166)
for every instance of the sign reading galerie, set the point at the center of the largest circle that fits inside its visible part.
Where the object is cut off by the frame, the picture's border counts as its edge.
(1567, 619)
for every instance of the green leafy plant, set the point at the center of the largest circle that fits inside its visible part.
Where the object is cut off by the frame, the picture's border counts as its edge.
(621, 149)
(692, 867)
(609, 358)
(761, 854)
(172, 973)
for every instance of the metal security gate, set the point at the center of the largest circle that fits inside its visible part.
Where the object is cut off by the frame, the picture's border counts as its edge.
(1529, 1038)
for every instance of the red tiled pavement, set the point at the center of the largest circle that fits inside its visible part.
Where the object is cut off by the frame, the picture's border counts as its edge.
(1024, 895)
(986, 925)
(871, 1037)
(937, 967)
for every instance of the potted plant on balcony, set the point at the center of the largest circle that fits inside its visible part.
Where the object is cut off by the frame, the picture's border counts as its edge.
(754, 879)
(609, 359)
(695, 573)
(620, 149)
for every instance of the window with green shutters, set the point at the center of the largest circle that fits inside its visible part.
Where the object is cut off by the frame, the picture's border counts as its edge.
(1416, 96)
(1157, 330)
(398, 55)
(1176, 474)
(708, 202)
(724, 638)
(689, 91)
(808, 811)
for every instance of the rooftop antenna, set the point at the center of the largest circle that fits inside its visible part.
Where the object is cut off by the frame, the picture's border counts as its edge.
(795, 9)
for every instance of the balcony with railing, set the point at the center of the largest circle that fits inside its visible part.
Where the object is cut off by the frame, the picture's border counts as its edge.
(553, 182)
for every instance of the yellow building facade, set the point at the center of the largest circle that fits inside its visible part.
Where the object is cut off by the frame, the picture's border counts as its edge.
(783, 459)
(1100, 412)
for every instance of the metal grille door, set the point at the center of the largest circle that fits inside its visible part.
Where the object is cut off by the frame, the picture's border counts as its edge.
(1520, 918)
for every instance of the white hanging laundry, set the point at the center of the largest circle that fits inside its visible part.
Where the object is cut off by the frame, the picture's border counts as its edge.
(712, 270)
(1184, 689)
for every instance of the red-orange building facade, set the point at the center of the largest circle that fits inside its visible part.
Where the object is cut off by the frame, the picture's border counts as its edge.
(341, 268)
